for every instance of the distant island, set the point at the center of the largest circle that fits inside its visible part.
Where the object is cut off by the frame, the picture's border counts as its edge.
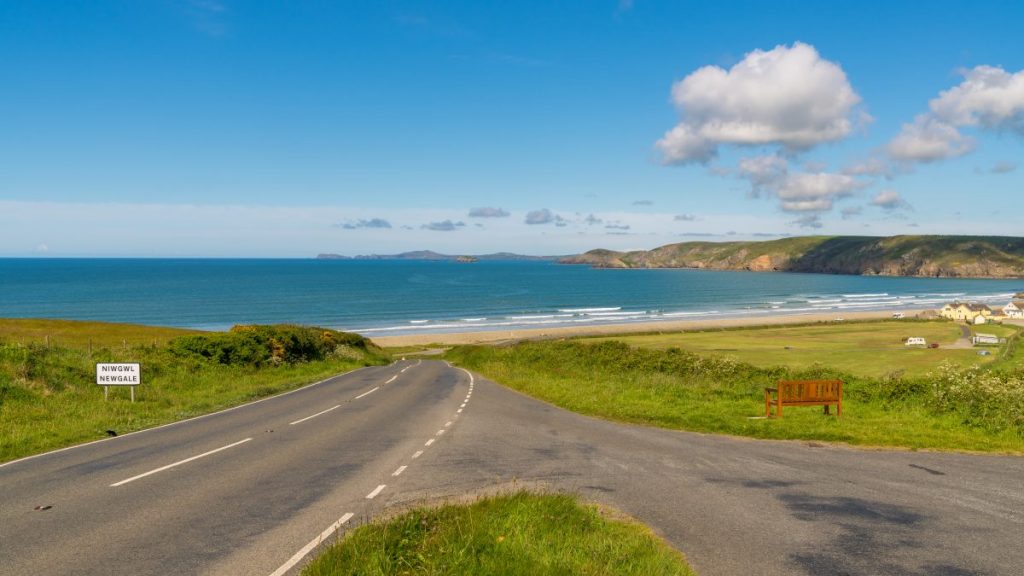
(924, 256)
(435, 256)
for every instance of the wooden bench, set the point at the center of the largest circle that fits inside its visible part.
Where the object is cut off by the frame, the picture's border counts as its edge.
(804, 393)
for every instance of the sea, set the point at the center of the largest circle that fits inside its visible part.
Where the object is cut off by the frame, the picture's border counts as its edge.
(397, 297)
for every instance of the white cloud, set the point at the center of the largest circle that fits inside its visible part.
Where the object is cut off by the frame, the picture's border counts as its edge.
(989, 98)
(873, 166)
(889, 200)
(797, 191)
(929, 139)
(787, 96)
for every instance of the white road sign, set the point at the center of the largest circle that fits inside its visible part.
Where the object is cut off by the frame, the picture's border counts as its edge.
(118, 374)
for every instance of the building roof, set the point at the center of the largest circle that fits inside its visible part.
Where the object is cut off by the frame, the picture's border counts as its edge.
(1018, 303)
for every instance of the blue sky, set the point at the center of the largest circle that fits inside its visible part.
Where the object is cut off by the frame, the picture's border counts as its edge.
(221, 128)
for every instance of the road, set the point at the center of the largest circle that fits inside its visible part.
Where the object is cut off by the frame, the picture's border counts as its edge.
(249, 490)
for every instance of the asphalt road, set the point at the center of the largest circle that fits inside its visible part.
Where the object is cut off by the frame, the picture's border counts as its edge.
(248, 490)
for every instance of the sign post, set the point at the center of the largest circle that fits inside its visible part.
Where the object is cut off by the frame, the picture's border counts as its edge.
(118, 374)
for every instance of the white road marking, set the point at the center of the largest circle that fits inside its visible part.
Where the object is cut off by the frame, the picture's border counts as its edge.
(368, 392)
(399, 471)
(376, 491)
(441, 431)
(392, 379)
(314, 415)
(429, 442)
(448, 423)
(463, 405)
(418, 454)
(144, 430)
(459, 411)
(312, 544)
(178, 463)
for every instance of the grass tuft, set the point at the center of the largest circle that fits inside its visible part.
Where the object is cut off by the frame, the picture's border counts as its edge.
(516, 534)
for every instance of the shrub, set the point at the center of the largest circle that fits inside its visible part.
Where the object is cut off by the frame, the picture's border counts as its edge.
(275, 344)
(986, 399)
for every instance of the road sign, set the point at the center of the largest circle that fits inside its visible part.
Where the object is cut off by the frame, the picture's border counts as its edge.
(118, 374)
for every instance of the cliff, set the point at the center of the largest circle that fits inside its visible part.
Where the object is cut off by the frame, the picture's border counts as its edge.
(926, 256)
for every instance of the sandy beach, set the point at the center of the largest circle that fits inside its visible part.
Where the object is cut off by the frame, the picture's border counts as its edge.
(455, 338)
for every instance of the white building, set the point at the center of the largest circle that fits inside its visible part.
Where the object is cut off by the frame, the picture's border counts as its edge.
(985, 339)
(1014, 309)
(915, 341)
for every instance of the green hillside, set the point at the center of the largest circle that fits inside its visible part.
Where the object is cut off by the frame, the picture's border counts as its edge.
(934, 256)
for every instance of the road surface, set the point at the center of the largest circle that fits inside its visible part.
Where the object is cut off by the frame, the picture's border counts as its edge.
(253, 489)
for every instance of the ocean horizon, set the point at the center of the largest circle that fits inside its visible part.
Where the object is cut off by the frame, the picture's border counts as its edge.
(396, 297)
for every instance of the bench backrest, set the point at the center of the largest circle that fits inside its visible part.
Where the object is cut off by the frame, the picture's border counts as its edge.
(810, 390)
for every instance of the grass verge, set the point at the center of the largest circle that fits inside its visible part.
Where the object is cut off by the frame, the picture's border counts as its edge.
(49, 399)
(960, 409)
(513, 534)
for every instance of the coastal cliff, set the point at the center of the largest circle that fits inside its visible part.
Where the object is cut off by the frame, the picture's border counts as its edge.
(925, 256)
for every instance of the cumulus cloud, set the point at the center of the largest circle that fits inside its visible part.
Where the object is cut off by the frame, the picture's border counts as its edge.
(1003, 167)
(873, 166)
(545, 216)
(685, 217)
(929, 139)
(889, 200)
(487, 212)
(807, 192)
(796, 191)
(788, 97)
(989, 98)
(592, 220)
(443, 226)
(371, 223)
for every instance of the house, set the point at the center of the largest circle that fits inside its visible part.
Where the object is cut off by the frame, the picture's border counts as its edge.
(969, 312)
(985, 339)
(898, 316)
(915, 341)
(1014, 309)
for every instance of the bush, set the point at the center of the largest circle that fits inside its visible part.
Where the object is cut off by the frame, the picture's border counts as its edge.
(276, 344)
(990, 400)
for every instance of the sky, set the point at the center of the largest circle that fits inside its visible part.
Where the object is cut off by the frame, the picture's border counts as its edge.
(220, 128)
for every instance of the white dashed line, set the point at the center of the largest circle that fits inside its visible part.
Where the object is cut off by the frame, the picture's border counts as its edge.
(399, 471)
(418, 454)
(463, 405)
(367, 392)
(309, 547)
(392, 379)
(314, 415)
(429, 442)
(179, 462)
(441, 431)
(376, 491)
(448, 423)
(459, 411)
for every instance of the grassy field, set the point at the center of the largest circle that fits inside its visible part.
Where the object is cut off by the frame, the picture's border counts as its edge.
(863, 348)
(517, 534)
(49, 399)
(953, 408)
(82, 335)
